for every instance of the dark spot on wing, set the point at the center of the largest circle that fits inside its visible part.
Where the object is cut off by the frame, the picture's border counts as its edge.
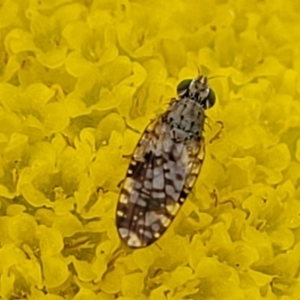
(183, 194)
(137, 168)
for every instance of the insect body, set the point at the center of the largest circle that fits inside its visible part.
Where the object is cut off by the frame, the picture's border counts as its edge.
(164, 166)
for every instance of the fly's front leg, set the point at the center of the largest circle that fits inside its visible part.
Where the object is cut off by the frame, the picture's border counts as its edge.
(218, 133)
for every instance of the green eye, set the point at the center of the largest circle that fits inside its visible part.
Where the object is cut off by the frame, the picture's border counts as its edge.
(183, 85)
(211, 98)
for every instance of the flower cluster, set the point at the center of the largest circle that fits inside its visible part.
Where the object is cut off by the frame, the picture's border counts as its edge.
(80, 80)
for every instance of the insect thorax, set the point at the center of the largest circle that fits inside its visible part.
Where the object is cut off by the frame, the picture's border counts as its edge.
(186, 119)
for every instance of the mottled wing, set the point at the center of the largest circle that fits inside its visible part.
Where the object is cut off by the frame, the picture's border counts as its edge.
(159, 178)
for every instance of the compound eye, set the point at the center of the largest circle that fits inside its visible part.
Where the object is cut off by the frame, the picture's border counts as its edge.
(211, 98)
(183, 86)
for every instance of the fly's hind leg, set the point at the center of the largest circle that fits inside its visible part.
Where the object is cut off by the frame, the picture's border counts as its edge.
(120, 184)
(217, 202)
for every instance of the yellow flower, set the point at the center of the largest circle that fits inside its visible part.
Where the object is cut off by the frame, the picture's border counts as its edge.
(80, 80)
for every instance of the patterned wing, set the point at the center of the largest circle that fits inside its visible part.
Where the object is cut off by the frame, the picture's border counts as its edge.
(159, 178)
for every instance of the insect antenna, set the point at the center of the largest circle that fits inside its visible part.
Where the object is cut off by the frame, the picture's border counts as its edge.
(216, 76)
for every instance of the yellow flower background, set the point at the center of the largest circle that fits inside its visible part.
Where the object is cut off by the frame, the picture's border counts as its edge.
(80, 80)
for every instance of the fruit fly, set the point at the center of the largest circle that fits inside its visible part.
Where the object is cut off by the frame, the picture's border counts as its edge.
(164, 166)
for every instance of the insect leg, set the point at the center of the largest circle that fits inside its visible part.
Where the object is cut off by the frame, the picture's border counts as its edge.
(214, 194)
(217, 135)
(120, 184)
